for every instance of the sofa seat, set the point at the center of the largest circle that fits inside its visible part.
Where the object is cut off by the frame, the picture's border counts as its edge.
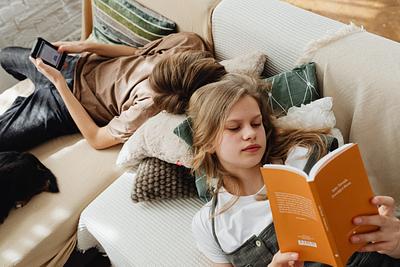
(43, 232)
(154, 233)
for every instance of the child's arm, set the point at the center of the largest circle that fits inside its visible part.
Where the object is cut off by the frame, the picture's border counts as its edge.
(287, 259)
(105, 50)
(386, 240)
(97, 137)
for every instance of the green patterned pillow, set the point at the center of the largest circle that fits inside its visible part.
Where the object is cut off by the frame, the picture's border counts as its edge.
(128, 22)
(293, 88)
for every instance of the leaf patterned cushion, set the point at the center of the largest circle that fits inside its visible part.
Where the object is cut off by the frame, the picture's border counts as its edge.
(128, 22)
(293, 88)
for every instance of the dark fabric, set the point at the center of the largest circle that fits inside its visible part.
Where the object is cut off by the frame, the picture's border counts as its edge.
(39, 117)
(259, 250)
(22, 176)
(331, 144)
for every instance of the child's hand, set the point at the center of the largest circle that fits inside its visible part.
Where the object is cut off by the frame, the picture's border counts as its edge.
(72, 47)
(51, 73)
(386, 239)
(287, 259)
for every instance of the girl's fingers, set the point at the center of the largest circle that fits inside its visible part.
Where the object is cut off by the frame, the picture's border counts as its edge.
(38, 63)
(284, 258)
(374, 237)
(381, 247)
(386, 205)
(377, 220)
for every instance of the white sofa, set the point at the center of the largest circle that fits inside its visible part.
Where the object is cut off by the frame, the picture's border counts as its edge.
(359, 70)
(158, 233)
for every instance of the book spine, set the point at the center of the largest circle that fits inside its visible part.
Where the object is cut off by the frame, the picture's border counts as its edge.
(328, 233)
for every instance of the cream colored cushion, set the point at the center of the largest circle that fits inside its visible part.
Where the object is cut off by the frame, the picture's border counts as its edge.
(251, 63)
(156, 139)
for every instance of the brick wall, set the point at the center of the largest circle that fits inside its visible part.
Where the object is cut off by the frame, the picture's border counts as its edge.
(21, 21)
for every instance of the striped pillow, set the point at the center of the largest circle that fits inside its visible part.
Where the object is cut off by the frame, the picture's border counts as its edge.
(128, 22)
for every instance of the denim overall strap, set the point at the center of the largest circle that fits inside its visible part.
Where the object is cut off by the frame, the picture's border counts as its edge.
(256, 251)
(213, 206)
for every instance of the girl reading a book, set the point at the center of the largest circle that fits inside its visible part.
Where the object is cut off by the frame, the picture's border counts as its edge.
(233, 135)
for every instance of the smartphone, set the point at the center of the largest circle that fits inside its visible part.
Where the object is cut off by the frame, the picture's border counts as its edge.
(48, 53)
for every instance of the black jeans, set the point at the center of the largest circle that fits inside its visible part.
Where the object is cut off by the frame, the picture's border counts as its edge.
(39, 117)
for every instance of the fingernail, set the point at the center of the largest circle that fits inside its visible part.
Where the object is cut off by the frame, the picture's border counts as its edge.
(294, 256)
(355, 239)
(374, 201)
(357, 220)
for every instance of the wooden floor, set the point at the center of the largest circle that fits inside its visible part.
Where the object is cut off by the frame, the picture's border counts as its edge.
(381, 17)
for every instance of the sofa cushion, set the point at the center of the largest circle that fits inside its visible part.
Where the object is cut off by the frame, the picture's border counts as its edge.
(49, 221)
(293, 88)
(157, 179)
(155, 139)
(128, 22)
(151, 233)
(251, 64)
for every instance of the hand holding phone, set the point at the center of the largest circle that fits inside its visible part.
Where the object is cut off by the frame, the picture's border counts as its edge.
(48, 53)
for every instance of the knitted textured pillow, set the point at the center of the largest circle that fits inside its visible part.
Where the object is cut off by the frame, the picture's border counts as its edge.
(157, 179)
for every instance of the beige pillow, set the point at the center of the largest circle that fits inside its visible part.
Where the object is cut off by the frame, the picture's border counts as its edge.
(250, 64)
(155, 139)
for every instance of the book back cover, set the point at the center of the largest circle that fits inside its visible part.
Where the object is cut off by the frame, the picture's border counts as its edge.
(344, 192)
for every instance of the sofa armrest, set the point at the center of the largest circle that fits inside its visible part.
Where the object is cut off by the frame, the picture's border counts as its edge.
(87, 19)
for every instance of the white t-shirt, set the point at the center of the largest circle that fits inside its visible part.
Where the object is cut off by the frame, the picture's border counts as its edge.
(236, 225)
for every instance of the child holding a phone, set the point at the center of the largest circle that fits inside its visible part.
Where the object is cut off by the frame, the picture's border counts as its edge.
(104, 91)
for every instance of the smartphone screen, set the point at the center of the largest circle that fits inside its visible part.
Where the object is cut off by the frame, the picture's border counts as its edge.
(49, 54)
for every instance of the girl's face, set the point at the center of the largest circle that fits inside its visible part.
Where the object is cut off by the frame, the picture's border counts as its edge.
(243, 141)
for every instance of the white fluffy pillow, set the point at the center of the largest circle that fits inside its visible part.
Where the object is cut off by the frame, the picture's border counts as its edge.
(250, 64)
(155, 138)
(313, 116)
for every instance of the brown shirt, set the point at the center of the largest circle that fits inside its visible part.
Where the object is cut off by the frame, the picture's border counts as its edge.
(116, 92)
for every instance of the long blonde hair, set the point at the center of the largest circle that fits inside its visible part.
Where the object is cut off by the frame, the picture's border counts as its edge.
(209, 108)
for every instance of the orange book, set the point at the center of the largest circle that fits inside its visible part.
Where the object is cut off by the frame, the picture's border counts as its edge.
(313, 213)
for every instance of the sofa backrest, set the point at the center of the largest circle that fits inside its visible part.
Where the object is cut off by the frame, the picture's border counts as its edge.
(276, 28)
(359, 70)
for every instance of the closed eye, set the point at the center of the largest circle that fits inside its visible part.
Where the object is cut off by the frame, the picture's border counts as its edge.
(234, 129)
